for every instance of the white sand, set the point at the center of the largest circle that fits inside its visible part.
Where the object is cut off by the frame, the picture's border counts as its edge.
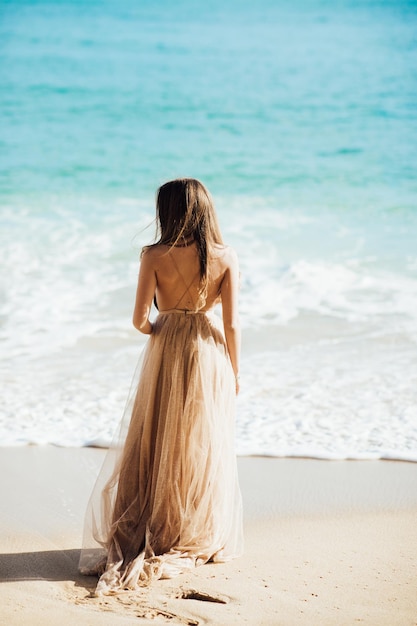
(327, 543)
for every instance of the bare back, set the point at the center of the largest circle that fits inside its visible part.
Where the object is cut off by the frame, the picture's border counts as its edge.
(177, 272)
(173, 276)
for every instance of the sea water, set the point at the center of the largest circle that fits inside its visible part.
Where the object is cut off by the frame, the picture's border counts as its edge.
(301, 118)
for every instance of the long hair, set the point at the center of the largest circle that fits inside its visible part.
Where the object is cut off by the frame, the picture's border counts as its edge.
(185, 212)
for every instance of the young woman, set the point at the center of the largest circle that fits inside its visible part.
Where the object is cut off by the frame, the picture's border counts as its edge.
(171, 499)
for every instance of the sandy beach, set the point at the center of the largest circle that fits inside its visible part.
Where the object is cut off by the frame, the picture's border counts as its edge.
(327, 543)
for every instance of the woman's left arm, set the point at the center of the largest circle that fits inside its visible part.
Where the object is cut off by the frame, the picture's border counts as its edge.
(144, 294)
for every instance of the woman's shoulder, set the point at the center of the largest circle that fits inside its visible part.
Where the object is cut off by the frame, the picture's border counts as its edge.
(154, 251)
(225, 253)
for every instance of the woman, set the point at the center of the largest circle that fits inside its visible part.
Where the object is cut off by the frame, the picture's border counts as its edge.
(172, 500)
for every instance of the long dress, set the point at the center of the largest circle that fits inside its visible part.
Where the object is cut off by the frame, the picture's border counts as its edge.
(167, 498)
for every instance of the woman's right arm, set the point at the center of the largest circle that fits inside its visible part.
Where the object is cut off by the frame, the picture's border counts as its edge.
(144, 294)
(230, 294)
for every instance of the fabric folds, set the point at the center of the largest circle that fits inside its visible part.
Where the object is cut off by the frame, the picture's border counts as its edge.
(167, 498)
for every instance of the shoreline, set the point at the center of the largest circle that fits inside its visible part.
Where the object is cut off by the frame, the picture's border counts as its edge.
(329, 543)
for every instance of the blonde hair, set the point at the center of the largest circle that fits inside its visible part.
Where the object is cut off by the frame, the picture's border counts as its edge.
(185, 212)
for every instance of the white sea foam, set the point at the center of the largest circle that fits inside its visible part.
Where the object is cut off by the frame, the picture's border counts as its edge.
(295, 263)
(330, 400)
(325, 400)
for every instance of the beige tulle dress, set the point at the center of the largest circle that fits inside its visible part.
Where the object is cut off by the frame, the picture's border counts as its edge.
(167, 498)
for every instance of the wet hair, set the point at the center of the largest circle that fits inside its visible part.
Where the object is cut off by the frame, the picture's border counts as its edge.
(185, 213)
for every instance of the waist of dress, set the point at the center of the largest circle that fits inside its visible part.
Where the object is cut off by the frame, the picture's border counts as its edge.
(187, 311)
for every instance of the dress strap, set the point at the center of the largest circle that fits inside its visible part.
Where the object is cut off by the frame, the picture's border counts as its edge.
(187, 286)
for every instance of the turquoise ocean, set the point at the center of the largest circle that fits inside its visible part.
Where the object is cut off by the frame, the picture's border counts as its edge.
(301, 118)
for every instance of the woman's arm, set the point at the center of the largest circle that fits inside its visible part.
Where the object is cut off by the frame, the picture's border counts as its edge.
(229, 292)
(144, 294)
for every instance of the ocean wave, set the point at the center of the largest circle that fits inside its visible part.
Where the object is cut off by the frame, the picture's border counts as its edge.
(67, 276)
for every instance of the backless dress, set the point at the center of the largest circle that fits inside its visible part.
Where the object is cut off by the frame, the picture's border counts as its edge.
(167, 497)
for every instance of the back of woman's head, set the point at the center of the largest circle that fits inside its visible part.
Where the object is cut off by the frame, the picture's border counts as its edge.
(186, 213)
(185, 210)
